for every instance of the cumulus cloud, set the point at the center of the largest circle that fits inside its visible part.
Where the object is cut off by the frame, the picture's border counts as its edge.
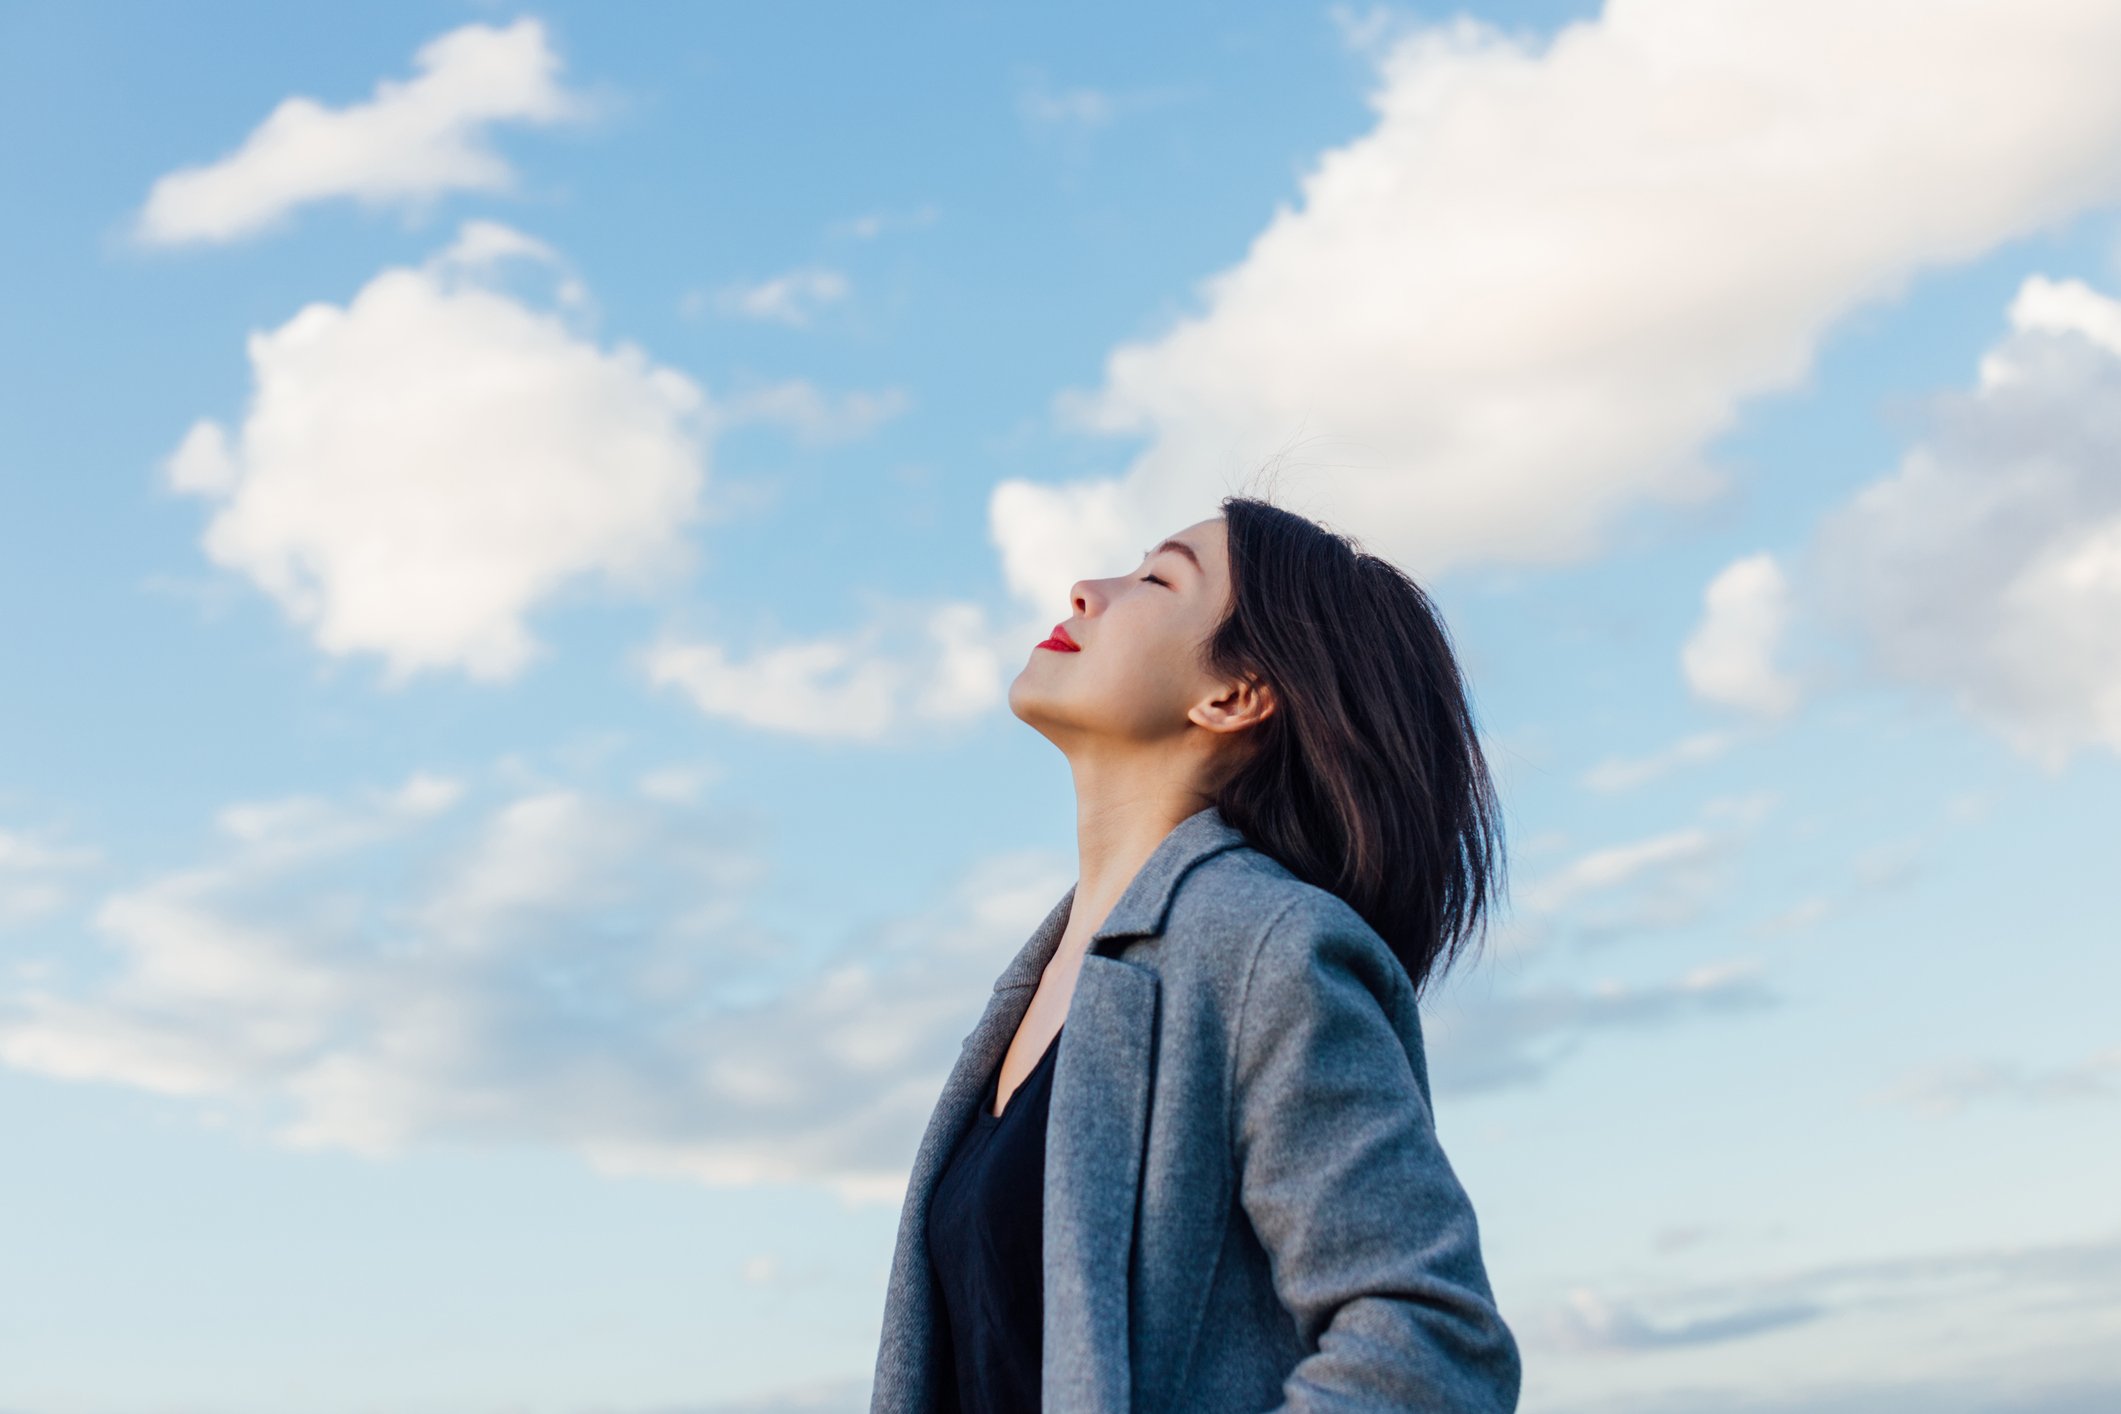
(543, 966)
(1988, 566)
(421, 467)
(412, 142)
(1551, 272)
(1731, 656)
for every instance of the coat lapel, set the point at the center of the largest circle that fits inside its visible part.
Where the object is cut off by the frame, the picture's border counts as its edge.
(1094, 1130)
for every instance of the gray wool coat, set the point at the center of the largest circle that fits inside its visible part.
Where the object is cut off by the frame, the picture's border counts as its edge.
(1246, 1207)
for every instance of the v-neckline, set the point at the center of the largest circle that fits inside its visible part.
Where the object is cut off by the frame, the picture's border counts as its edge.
(994, 1091)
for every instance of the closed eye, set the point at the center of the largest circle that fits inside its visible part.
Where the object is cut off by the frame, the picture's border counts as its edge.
(1154, 580)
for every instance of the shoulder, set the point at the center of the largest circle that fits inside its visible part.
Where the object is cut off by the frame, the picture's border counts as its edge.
(1243, 916)
(1298, 983)
(1318, 998)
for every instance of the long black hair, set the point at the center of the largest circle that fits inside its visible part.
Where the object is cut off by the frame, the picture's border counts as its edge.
(1367, 779)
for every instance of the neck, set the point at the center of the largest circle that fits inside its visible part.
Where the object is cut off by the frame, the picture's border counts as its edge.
(1119, 822)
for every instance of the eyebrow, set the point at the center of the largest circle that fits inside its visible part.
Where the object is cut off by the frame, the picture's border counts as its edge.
(1182, 547)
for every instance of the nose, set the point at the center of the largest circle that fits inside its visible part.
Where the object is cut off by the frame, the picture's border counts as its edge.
(1086, 595)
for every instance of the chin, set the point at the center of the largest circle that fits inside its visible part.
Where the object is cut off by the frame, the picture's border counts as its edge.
(1019, 695)
(1028, 700)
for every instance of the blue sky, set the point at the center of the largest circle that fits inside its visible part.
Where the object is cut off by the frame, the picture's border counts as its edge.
(515, 526)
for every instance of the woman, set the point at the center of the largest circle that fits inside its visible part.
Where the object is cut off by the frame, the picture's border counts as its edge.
(1186, 1160)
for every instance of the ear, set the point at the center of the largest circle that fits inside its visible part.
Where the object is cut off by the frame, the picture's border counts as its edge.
(1241, 704)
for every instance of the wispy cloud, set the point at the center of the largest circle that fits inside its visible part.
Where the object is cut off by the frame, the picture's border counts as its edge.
(815, 417)
(537, 964)
(1075, 107)
(2047, 1297)
(1948, 1088)
(1524, 1036)
(1655, 883)
(793, 298)
(1083, 108)
(1615, 865)
(412, 142)
(910, 667)
(37, 875)
(1617, 773)
(871, 224)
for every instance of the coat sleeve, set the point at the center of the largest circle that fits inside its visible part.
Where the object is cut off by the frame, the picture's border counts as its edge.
(1371, 1240)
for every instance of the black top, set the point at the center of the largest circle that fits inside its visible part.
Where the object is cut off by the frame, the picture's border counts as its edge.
(986, 1234)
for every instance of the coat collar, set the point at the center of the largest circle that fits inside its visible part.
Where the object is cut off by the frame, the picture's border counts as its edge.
(1142, 908)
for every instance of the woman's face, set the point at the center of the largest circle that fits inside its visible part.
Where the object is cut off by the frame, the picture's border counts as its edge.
(1137, 676)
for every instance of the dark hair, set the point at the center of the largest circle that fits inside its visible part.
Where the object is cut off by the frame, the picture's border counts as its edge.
(1367, 778)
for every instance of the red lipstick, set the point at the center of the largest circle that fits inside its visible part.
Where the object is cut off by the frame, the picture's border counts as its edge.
(1060, 642)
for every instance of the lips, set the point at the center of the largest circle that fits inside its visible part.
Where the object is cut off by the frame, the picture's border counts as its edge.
(1060, 642)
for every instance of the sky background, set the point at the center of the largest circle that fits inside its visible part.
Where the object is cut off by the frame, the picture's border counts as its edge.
(516, 526)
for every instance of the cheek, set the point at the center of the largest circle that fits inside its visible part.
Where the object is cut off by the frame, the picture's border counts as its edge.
(1144, 686)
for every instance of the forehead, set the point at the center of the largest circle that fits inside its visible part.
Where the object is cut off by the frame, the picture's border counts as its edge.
(1203, 532)
(1204, 538)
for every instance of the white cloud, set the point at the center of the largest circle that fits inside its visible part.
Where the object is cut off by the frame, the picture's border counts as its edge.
(793, 299)
(551, 967)
(1546, 278)
(1498, 1040)
(1075, 107)
(1988, 566)
(1730, 657)
(35, 875)
(680, 782)
(1077, 111)
(412, 142)
(23, 853)
(1948, 1088)
(1613, 866)
(1370, 33)
(482, 245)
(418, 469)
(1621, 892)
(1784, 1334)
(1622, 773)
(911, 665)
(871, 224)
(816, 418)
